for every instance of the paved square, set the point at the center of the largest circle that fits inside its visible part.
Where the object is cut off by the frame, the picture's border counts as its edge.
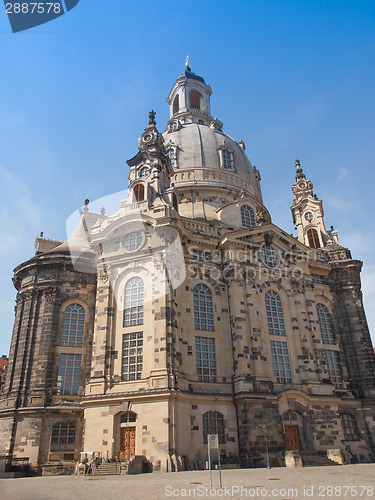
(340, 482)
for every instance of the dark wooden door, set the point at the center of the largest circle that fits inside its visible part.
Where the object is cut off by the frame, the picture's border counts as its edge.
(291, 437)
(127, 447)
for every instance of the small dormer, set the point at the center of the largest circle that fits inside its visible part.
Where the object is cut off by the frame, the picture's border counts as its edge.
(189, 95)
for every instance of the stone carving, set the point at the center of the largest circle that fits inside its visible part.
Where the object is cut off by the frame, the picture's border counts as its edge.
(261, 217)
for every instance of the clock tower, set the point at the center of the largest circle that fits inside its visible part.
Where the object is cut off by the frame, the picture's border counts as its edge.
(308, 214)
(151, 170)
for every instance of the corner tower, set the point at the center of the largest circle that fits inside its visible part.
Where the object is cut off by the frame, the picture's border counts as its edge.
(308, 214)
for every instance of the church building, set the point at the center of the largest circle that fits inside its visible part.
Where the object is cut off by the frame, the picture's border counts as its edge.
(187, 312)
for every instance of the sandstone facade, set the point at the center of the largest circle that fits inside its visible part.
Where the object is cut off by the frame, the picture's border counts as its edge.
(188, 312)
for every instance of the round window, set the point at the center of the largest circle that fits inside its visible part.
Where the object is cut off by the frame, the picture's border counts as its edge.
(309, 216)
(133, 241)
(269, 256)
(144, 172)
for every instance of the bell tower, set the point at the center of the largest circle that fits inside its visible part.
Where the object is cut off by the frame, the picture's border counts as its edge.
(308, 214)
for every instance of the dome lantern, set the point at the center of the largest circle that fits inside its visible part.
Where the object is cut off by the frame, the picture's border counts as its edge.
(190, 95)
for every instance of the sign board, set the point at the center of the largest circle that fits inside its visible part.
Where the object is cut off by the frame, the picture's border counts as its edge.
(213, 441)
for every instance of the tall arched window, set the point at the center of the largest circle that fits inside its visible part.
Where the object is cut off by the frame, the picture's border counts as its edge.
(172, 156)
(247, 216)
(139, 192)
(313, 238)
(134, 299)
(213, 423)
(176, 104)
(203, 313)
(63, 436)
(195, 99)
(325, 324)
(274, 311)
(73, 326)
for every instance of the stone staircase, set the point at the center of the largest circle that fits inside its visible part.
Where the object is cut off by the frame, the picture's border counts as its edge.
(112, 468)
(316, 459)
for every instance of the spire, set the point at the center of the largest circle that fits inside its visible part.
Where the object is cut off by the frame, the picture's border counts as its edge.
(308, 214)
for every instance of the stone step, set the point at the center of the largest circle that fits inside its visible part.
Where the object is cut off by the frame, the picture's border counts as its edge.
(109, 469)
(317, 460)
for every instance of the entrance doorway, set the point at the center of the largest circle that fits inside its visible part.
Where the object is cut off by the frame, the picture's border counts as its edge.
(292, 437)
(127, 443)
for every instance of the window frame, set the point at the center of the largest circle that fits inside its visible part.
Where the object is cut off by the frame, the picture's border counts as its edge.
(73, 337)
(213, 423)
(203, 308)
(274, 313)
(139, 192)
(247, 214)
(281, 361)
(350, 427)
(313, 238)
(333, 367)
(63, 441)
(205, 359)
(134, 293)
(127, 361)
(325, 324)
(66, 379)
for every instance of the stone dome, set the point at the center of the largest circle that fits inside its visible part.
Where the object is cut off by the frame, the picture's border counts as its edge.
(198, 145)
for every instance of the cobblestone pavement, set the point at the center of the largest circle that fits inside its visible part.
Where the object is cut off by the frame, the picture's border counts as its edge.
(336, 482)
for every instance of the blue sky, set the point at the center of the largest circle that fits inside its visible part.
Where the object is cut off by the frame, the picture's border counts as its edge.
(293, 79)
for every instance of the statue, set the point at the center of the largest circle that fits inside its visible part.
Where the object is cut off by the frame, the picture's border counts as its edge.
(187, 64)
(151, 120)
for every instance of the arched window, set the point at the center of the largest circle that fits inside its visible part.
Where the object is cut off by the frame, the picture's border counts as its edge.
(325, 324)
(139, 192)
(274, 311)
(203, 313)
(350, 427)
(128, 417)
(213, 423)
(73, 326)
(247, 216)
(63, 436)
(172, 156)
(134, 299)
(176, 104)
(195, 99)
(313, 238)
(227, 159)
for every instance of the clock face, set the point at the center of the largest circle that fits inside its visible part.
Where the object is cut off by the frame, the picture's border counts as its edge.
(302, 185)
(144, 172)
(309, 216)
